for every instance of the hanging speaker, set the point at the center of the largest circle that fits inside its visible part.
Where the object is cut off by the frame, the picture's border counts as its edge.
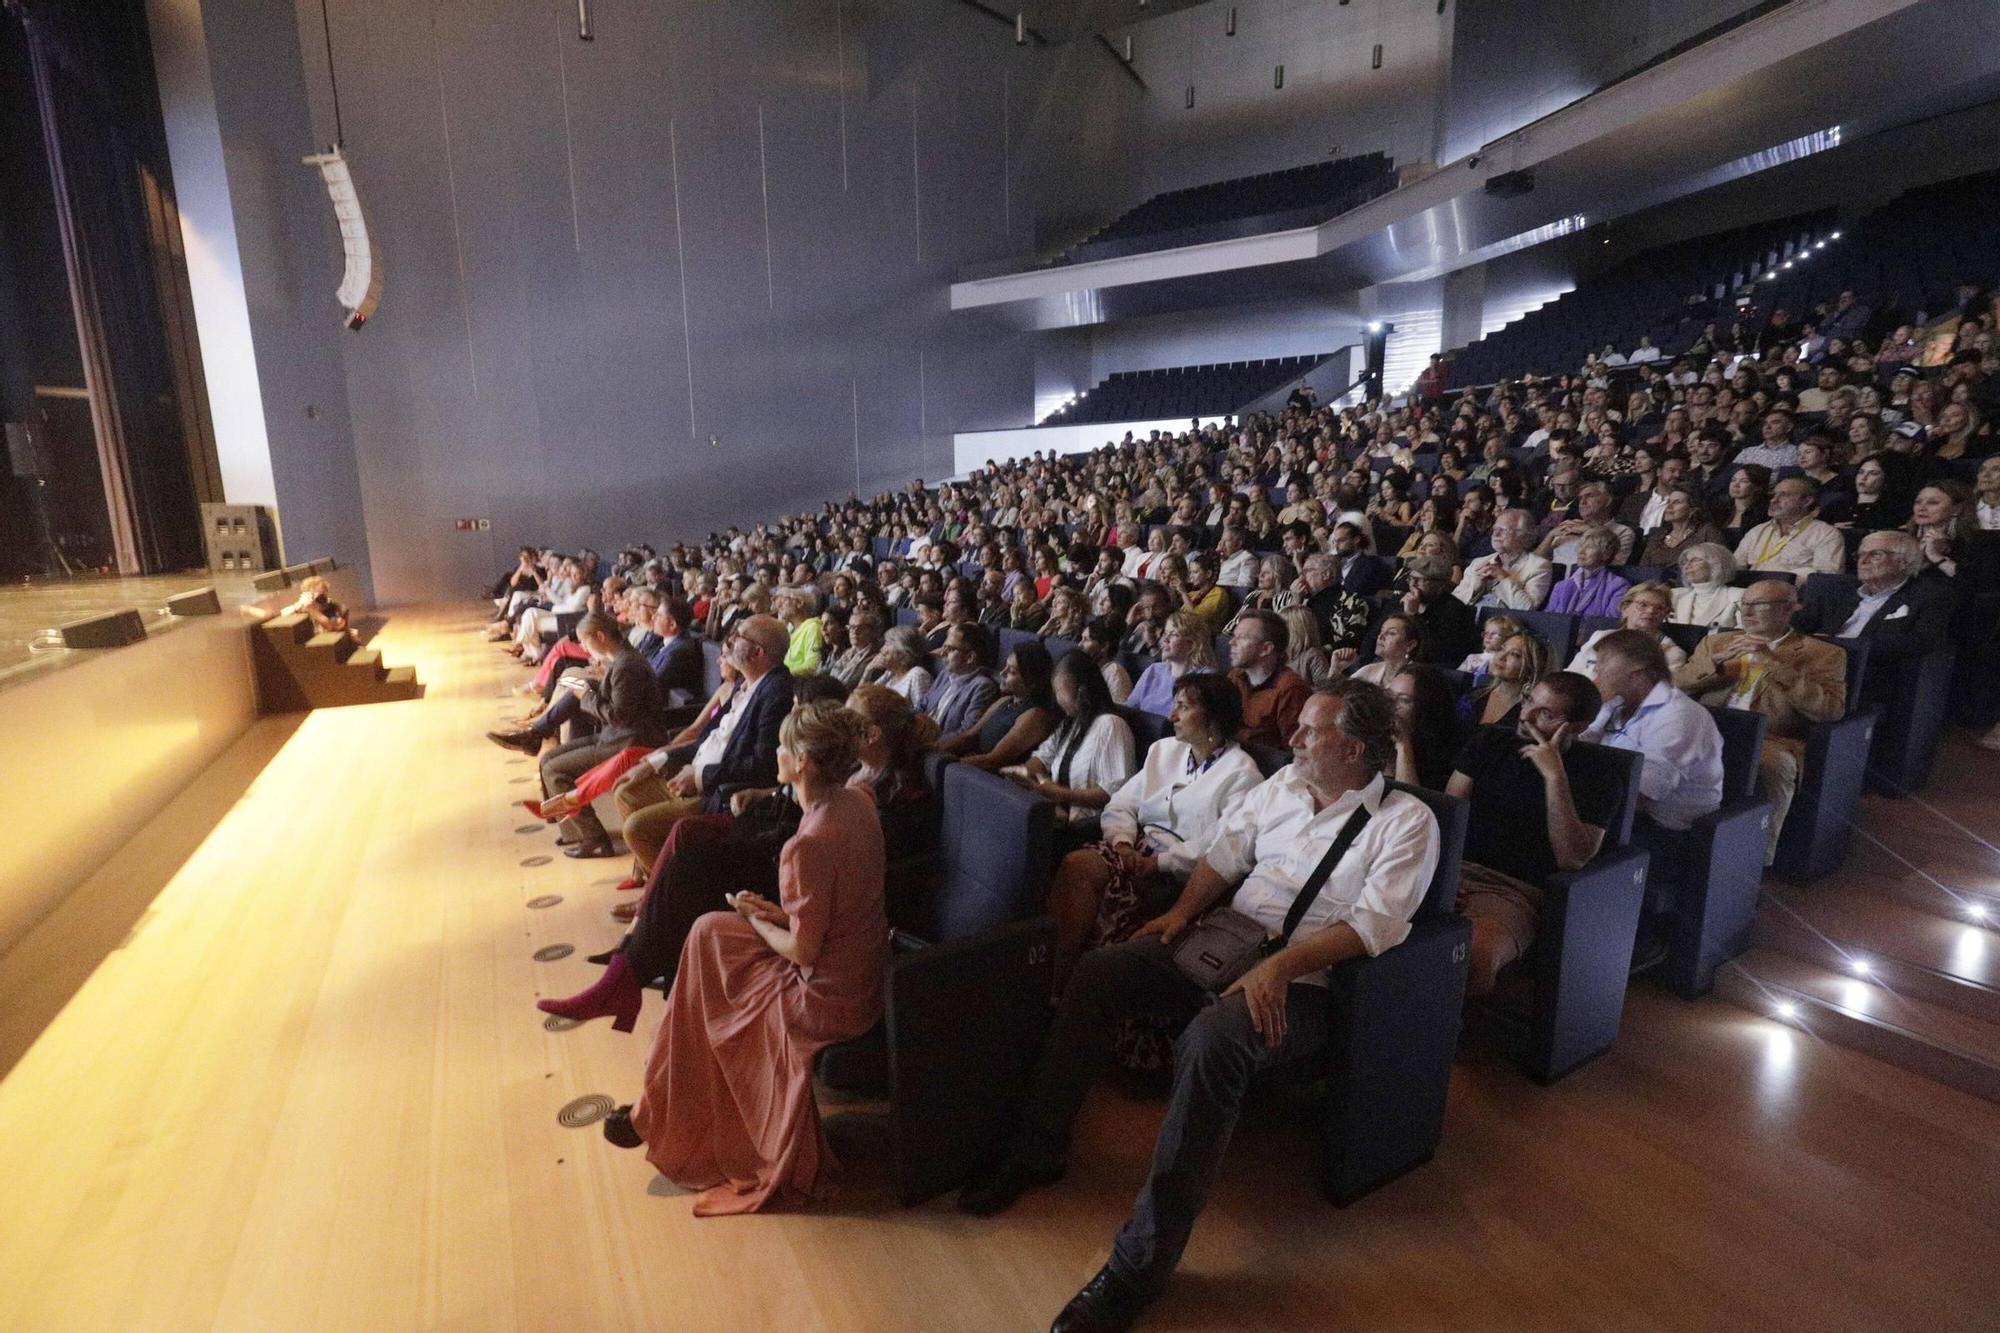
(25, 455)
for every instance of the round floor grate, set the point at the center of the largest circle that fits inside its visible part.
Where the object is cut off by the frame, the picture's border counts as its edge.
(530, 828)
(586, 1110)
(550, 953)
(546, 900)
(532, 861)
(557, 1023)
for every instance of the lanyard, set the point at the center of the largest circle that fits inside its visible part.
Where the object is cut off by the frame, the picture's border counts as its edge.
(1768, 551)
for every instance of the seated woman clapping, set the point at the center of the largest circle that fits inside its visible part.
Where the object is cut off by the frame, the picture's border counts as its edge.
(1155, 824)
(1020, 719)
(728, 1105)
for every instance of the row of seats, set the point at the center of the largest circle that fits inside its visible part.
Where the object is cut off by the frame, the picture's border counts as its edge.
(1244, 206)
(1182, 391)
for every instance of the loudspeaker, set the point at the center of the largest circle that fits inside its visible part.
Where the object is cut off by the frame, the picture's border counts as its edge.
(112, 630)
(1511, 185)
(270, 582)
(241, 539)
(25, 455)
(200, 602)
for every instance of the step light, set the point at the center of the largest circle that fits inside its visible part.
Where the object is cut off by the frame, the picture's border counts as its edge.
(1786, 1010)
(1861, 966)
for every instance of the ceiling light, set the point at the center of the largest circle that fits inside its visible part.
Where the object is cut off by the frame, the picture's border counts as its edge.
(1833, 236)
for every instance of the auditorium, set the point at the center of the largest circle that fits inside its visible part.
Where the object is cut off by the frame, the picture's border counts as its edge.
(1318, 665)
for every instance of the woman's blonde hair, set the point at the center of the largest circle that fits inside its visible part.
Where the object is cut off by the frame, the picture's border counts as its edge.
(826, 733)
(1201, 644)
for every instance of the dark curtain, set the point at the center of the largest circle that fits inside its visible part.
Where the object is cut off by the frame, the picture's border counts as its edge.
(113, 199)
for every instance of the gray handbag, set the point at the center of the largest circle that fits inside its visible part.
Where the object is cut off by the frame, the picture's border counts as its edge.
(1224, 943)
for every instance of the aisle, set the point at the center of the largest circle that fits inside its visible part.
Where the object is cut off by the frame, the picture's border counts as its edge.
(311, 1091)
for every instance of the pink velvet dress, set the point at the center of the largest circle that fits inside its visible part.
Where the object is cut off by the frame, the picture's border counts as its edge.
(728, 1108)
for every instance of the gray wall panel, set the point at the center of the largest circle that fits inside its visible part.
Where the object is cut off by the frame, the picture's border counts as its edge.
(531, 359)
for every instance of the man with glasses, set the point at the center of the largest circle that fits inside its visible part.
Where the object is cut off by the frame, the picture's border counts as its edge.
(1793, 540)
(964, 689)
(1768, 667)
(737, 748)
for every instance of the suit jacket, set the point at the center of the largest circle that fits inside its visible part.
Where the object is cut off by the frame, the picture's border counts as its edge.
(1915, 620)
(1819, 694)
(750, 759)
(678, 667)
(627, 703)
(1368, 575)
(957, 703)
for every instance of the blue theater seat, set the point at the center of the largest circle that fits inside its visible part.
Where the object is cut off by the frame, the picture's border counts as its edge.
(1716, 868)
(1820, 824)
(1395, 1025)
(966, 1000)
(1581, 960)
(1557, 629)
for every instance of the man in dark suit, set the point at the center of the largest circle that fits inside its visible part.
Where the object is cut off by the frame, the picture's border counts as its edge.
(676, 661)
(1361, 573)
(736, 748)
(625, 701)
(1899, 616)
(1445, 623)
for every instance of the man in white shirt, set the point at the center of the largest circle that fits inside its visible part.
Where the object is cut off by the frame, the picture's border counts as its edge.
(1513, 576)
(1793, 541)
(1239, 565)
(1681, 779)
(1645, 353)
(1267, 847)
(1594, 509)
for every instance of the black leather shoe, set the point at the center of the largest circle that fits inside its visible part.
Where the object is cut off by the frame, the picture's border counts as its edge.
(590, 851)
(1107, 1304)
(618, 1131)
(527, 742)
(996, 1191)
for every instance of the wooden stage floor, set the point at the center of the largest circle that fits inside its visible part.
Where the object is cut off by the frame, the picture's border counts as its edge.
(310, 1091)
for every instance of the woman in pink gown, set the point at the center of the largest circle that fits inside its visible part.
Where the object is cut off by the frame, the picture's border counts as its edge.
(728, 1108)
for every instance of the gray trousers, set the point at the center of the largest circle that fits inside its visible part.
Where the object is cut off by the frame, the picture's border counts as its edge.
(561, 766)
(1217, 1052)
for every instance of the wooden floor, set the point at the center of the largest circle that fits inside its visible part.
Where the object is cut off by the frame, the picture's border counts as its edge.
(310, 1091)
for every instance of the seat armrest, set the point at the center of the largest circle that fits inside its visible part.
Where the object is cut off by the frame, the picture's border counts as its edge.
(1583, 959)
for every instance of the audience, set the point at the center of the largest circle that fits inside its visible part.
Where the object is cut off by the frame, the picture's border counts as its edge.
(728, 1107)
(1088, 755)
(1265, 849)
(1768, 667)
(1273, 694)
(1529, 819)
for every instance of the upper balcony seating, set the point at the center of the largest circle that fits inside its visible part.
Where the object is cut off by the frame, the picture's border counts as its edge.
(1245, 206)
(1182, 391)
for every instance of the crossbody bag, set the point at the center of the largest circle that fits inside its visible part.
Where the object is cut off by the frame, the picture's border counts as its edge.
(1224, 943)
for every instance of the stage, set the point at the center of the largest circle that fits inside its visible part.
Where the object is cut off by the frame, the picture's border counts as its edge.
(27, 609)
(307, 1088)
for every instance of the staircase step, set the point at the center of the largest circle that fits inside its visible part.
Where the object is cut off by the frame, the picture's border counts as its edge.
(1852, 929)
(1872, 1017)
(296, 628)
(401, 683)
(340, 645)
(367, 660)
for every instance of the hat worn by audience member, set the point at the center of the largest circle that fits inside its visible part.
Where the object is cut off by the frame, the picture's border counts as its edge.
(1429, 567)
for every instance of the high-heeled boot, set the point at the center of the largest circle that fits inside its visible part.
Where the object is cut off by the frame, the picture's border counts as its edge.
(617, 995)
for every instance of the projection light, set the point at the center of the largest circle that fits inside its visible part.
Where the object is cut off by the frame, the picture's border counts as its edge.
(1374, 326)
(360, 288)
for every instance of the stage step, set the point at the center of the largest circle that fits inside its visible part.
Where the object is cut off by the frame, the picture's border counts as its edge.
(298, 669)
(1857, 931)
(1869, 1015)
